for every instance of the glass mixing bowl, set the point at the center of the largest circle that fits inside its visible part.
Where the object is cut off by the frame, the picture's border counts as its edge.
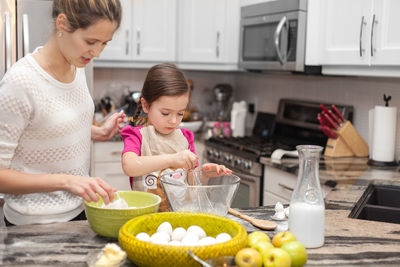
(214, 195)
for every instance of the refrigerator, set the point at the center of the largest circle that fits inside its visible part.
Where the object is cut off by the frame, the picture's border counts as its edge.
(25, 25)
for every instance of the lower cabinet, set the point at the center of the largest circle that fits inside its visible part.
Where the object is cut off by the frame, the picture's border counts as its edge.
(278, 186)
(106, 164)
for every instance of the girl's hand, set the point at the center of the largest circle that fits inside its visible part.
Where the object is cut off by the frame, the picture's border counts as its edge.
(185, 159)
(219, 169)
(87, 187)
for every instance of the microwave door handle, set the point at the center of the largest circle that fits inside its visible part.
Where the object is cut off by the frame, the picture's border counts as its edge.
(7, 42)
(278, 32)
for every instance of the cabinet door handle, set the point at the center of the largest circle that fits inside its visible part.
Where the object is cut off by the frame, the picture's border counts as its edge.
(217, 48)
(374, 21)
(25, 34)
(285, 187)
(7, 40)
(363, 23)
(127, 42)
(138, 42)
(115, 153)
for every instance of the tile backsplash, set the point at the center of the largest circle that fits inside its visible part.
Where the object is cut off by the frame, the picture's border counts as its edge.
(265, 89)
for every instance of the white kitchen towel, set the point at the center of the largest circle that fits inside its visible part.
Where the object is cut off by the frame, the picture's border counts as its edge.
(384, 133)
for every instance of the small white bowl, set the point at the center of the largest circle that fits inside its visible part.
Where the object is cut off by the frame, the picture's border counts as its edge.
(193, 126)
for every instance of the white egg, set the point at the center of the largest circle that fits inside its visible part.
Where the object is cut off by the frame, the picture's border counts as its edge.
(205, 241)
(175, 243)
(178, 234)
(165, 227)
(160, 238)
(143, 236)
(223, 237)
(190, 239)
(197, 230)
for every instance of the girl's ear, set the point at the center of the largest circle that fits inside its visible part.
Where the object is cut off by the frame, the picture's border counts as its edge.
(145, 105)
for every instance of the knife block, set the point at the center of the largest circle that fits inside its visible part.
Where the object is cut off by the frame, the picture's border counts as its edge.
(348, 144)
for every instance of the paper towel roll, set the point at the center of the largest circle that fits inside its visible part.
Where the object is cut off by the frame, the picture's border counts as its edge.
(384, 133)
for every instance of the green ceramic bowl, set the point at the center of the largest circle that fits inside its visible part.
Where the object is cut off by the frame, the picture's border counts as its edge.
(106, 222)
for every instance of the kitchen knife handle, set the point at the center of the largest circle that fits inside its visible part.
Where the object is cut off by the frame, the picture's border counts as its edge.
(329, 121)
(340, 115)
(322, 106)
(333, 116)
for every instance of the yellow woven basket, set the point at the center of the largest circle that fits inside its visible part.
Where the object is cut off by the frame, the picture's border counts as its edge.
(148, 254)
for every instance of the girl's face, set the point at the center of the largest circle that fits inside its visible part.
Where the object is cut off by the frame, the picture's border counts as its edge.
(80, 46)
(166, 112)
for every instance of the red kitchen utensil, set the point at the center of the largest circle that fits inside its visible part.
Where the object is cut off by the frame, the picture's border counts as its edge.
(338, 113)
(334, 117)
(328, 132)
(329, 121)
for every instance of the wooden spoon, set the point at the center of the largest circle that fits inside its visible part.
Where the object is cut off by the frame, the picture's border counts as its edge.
(262, 224)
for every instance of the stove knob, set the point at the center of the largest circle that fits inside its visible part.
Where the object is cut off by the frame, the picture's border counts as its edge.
(228, 158)
(217, 154)
(237, 162)
(209, 152)
(248, 165)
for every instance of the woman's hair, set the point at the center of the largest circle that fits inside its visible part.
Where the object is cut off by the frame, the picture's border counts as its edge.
(163, 79)
(83, 13)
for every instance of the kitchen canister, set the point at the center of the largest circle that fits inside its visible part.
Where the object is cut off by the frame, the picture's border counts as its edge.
(238, 118)
(382, 131)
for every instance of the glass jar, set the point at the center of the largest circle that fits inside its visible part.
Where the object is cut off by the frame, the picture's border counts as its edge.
(226, 131)
(307, 207)
(217, 130)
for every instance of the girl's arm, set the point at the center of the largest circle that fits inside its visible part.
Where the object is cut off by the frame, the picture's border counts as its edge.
(134, 165)
(14, 182)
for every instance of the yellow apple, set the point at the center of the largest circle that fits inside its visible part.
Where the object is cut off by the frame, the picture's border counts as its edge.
(248, 257)
(262, 247)
(256, 236)
(282, 237)
(276, 257)
(297, 253)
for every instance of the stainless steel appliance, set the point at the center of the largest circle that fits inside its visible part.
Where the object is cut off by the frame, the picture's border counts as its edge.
(25, 25)
(273, 36)
(295, 123)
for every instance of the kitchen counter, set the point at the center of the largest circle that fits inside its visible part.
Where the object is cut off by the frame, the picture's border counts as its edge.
(348, 242)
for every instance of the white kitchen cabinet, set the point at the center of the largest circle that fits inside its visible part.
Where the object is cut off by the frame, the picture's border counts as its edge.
(278, 186)
(120, 47)
(362, 34)
(208, 33)
(106, 164)
(154, 30)
(147, 35)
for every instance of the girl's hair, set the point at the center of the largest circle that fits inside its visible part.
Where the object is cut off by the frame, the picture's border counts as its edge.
(163, 79)
(83, 13)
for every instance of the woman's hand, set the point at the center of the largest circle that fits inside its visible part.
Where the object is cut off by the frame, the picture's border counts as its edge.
(87, 187)
(184, 159)
(110, 127)
(219, 169)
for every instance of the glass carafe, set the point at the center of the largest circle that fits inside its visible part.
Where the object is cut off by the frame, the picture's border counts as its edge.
(307, 207)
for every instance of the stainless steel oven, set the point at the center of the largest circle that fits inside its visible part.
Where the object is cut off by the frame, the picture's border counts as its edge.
(273, 35)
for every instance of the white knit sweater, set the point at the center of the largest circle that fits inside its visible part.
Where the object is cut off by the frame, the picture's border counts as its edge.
(45, 127)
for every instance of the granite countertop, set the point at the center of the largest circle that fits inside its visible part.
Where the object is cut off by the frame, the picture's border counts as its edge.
(348, 242)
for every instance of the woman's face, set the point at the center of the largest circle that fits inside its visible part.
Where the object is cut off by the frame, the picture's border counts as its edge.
(80, 46)
(166, 113)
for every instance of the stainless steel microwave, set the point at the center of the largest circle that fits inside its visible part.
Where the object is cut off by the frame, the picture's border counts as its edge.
(273, 35)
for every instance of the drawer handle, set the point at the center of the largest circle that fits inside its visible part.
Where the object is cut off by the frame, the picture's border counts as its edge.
(115, 153)
(285, 187)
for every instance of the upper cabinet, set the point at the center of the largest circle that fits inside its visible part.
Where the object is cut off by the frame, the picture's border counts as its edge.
(119, 48)
(193, 34)
(208, 32)
(362, 34)
(153, 27)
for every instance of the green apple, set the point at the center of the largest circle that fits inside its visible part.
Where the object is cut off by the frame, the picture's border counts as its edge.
(262, 247)
(248, 257)
(276, 257)
(297, 253)
(282, 237)
(256, 236)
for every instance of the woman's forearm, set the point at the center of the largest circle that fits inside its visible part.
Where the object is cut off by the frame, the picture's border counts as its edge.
(133, 165)
(14, 182)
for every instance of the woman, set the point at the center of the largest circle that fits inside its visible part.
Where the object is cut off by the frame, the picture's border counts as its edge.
(46, 118)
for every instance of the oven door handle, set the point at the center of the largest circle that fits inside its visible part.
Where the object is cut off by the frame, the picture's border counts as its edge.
(283, 22)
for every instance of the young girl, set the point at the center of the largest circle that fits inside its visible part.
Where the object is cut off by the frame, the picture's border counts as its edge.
(160, 144)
